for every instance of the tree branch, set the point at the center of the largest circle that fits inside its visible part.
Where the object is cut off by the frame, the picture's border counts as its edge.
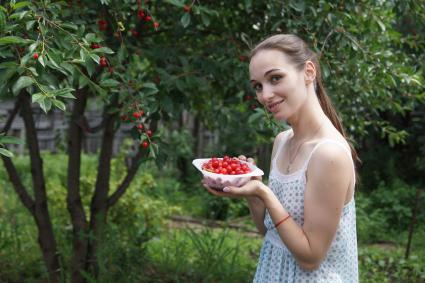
(135, 164)
(12, 116)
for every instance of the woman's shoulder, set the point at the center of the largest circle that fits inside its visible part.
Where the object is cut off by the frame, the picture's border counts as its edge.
(282, 135)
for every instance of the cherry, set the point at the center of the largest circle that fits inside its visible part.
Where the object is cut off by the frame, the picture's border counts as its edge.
(95, 46)
(226, 165)
(248, 97)
(186, 8)
(137, 115)
(148, 18)
(156, 25)
(103, 25)
(145, 144)
(243, 58)
(35, 56)
(140, 14)
(124, 117)
(140, 127)
(134, 32)
(103, 62)
(149, 133)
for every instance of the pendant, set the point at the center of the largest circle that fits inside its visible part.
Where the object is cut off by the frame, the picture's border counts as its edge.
(288, 168)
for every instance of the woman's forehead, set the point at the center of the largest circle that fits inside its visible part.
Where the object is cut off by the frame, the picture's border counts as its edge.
(266, 60)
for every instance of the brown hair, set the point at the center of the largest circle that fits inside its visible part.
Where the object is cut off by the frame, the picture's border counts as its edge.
(299, 53)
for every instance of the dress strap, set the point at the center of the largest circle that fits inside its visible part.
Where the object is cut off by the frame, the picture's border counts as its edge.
(338, 143)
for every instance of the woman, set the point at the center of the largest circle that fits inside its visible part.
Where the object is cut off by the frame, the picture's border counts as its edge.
(307, 211)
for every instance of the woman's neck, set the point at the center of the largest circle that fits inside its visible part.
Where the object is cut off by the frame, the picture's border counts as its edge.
(309, 119)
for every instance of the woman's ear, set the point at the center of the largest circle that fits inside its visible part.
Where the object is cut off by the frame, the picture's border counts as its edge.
(309, 72)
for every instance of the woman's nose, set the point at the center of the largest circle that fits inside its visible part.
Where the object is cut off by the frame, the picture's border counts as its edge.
(267, 92)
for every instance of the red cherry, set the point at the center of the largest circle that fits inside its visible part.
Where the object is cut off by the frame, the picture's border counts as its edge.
(145, 144)
(124, 117)
(140, 127)
(35, 56)
(156, 25)
(149, 133)
(243, 58)
(186, 8)
(248, 97)
(134, 32)
(140, 14)
(103, 25)
(103, 62)
(148, 18)
(136, 115)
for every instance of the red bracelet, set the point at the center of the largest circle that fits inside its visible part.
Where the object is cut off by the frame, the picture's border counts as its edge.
(281, 221)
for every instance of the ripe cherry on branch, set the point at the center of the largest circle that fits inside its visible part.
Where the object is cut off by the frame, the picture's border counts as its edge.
(35, 56)
(103, 62)
(156, 25)
(145, 144)
(95, 46)
(103, 25)
(186, 8)
(149, 133)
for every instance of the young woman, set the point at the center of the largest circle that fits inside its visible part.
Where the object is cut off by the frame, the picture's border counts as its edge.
(307, 210)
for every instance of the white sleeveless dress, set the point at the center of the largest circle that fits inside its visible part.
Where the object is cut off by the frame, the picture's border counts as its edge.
(276, 262)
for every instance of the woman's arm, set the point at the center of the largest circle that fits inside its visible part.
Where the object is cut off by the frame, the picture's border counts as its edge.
(328, 180)
(256, 204)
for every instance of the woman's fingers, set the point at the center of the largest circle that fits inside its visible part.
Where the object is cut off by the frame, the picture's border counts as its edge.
(251, 160)
(242, 157)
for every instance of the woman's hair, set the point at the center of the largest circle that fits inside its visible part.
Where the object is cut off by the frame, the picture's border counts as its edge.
(299, 53)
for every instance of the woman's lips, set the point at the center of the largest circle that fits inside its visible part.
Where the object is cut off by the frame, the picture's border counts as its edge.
(273, 107)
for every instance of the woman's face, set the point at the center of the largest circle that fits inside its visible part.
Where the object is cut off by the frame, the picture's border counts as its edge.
(279, 86)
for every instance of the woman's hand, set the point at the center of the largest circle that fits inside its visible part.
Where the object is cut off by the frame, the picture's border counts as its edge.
(252, 161)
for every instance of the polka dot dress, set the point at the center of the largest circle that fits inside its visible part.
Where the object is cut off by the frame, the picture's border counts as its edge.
(276, 262)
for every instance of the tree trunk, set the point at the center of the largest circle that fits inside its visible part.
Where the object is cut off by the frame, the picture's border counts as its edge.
(415, 210)
(74, 203)
(99, 202)
(41, 215)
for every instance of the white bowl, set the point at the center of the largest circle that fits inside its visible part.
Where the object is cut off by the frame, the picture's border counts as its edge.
(222, 180)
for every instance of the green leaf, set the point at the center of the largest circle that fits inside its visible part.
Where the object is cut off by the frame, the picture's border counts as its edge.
(11, 139)
(95, 57)
(30, 24)
(6, 152)
(21, 83)
(14, 40)
(205, 19)
(106, 50)
(59, 104)
(109, 83)
(41, 60)
(37, 97)
(10, 64)
(20, 5)
(69, 26)
(185, 20)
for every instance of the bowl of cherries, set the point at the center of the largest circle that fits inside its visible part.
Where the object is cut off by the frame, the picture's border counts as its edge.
(226, 171)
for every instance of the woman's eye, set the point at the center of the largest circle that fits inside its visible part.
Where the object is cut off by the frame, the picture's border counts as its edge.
(275, 79)
(257, 87)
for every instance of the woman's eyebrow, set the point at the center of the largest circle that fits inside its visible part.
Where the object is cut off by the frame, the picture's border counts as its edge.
(266, 73)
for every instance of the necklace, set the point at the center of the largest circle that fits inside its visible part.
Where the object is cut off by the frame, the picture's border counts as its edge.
(291, 160)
